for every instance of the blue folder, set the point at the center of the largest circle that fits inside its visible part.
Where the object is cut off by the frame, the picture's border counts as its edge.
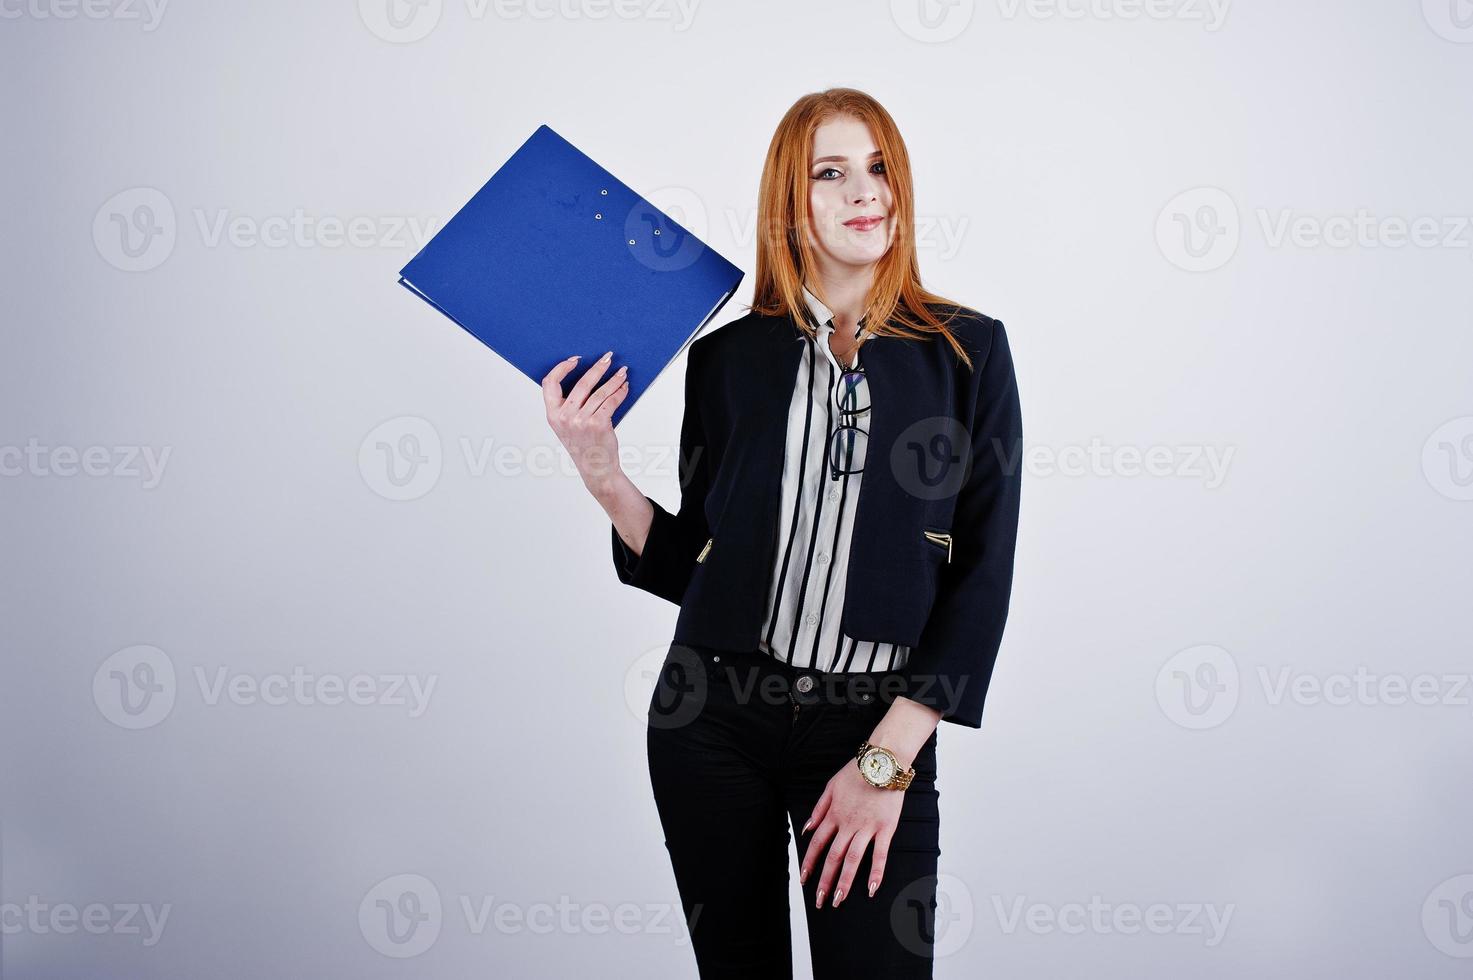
(555, 256)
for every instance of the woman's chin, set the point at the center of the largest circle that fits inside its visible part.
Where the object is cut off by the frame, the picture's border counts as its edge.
(850, 253)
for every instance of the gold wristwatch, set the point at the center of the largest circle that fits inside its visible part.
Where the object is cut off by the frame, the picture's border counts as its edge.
(881, 769)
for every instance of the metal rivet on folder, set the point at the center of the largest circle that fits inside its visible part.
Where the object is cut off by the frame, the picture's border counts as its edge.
(597, 217)
(657, 231)
(631, 241)
(605, 193)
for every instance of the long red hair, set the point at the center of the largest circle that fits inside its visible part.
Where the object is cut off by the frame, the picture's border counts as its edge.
(897, 304)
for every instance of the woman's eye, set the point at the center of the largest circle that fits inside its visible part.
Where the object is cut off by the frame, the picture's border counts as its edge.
(827, 170)
(878, 168)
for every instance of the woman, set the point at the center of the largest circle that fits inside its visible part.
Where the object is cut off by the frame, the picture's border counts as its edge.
(819, 642)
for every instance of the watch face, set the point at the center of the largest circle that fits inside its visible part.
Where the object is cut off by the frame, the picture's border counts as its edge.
(878, 766)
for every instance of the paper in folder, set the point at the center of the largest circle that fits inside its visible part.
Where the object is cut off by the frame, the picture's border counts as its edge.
(555, 256)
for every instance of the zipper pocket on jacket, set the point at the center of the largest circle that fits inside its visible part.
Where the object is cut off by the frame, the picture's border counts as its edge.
(702, 556)
(942, 538)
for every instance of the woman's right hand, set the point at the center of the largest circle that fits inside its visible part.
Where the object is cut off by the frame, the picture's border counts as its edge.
(582, 419)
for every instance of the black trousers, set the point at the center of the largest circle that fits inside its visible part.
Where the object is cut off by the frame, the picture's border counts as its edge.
(739, 745)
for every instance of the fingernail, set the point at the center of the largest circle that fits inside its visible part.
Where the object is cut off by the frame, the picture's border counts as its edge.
(607, 356)
(872, 886)
(807, 825)
(622, 370)
(819, 904)
(575, 357)
(803, 875)
(838, 897)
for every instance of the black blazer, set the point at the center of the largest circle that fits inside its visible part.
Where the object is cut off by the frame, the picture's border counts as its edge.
(931, 558)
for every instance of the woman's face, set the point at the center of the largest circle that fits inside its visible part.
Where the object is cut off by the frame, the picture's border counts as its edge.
(849, 194)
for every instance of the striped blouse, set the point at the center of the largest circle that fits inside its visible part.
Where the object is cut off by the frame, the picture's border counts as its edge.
(806, 596)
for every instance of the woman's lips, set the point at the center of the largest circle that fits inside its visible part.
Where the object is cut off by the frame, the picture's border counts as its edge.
(864, 223)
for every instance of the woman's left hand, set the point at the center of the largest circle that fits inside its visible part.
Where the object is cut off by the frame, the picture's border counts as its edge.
(852, 814)
(849, 816)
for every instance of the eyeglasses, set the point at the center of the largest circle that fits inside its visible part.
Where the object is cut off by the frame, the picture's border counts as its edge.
(848, 443)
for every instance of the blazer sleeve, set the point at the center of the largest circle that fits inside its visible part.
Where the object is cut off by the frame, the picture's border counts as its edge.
(951, 666)
(665, 565)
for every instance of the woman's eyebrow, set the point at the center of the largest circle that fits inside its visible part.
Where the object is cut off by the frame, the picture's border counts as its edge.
(840, 159)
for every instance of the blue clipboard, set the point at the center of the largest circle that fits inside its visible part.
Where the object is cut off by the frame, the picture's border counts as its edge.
(555, 256)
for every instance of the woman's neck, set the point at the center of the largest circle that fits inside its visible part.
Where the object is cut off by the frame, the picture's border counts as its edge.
(844, 295)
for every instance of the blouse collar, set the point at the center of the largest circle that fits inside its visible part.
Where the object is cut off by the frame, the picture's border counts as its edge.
(824, 316)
